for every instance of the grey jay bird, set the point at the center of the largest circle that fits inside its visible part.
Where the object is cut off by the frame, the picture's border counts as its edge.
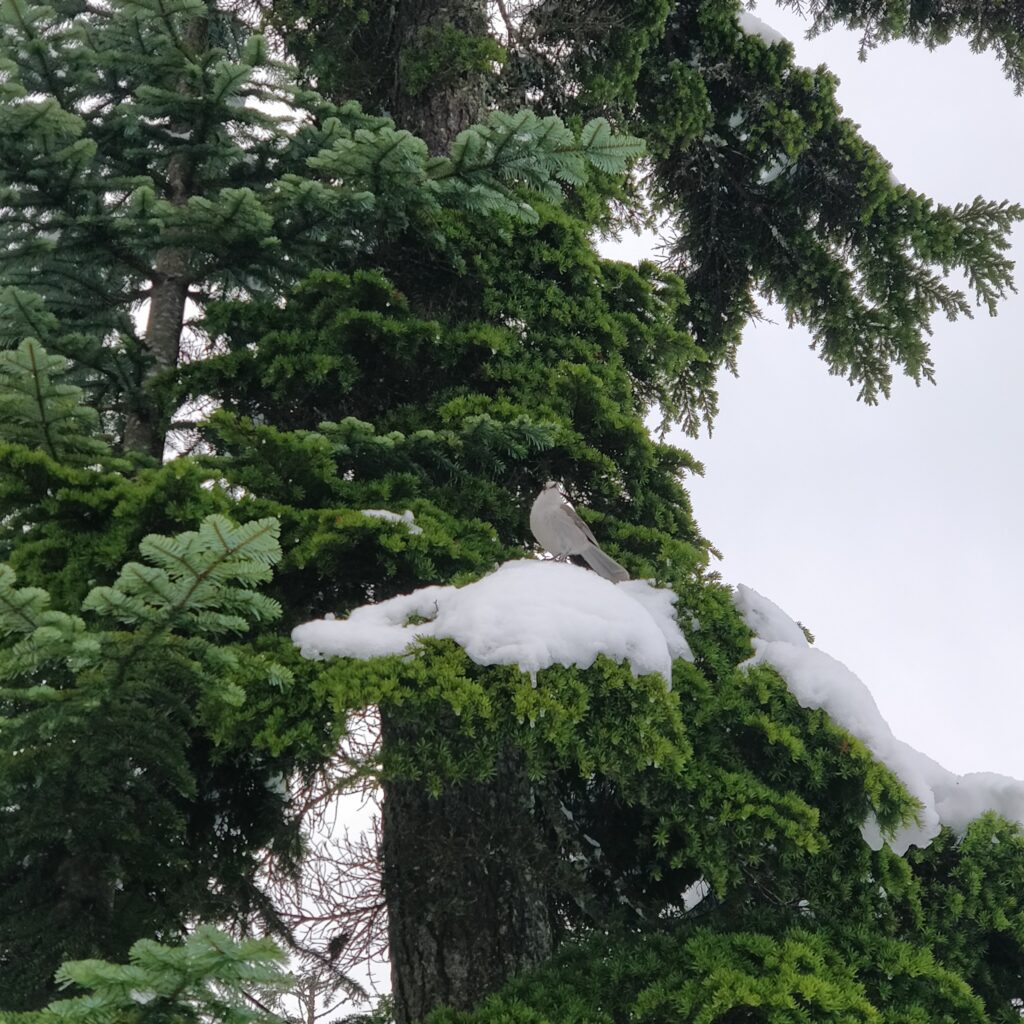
(560, 530)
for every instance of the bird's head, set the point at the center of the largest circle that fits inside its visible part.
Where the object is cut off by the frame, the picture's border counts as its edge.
(552, 485)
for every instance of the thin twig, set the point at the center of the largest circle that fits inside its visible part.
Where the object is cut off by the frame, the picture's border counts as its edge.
(510, 31)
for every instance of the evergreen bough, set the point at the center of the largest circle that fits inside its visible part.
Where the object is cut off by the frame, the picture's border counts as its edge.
(208, 978)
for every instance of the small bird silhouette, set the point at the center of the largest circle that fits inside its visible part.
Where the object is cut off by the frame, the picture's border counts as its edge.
(560, 530)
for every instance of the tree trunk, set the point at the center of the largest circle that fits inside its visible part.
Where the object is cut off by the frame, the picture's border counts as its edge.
(464, 879)
(144, 426)
(439, 109)
(143, 430)
(466, 889)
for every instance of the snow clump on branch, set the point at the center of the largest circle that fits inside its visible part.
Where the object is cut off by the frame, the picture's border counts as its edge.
(530, 613)
(817, 680)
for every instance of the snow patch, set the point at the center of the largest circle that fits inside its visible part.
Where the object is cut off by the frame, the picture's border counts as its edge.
(817, 680)
(393, 517)
(766, 619)
(530, 613)
(276, 784)
(696, 894)
(754, 26)
(768, 174)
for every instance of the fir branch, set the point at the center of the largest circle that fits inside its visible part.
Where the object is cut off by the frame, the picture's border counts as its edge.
(208, 977)
(37, 409)
(200, 582)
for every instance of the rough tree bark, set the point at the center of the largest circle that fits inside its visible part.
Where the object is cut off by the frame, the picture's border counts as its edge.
(436, 111)
(466, 890)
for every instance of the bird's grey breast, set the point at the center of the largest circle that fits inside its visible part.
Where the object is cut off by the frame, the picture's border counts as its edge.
(553, 526)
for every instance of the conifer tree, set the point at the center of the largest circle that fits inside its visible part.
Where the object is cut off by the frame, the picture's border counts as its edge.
(398, 306)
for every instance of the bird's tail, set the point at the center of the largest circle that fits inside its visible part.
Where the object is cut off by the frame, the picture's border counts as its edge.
(604, 565)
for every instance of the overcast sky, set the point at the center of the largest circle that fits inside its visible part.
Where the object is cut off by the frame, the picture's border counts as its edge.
(894, 532)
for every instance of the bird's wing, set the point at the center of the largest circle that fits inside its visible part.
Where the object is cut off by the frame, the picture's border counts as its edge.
(568, 510)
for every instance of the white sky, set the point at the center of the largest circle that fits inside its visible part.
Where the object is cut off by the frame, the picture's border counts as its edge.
(893, 532)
